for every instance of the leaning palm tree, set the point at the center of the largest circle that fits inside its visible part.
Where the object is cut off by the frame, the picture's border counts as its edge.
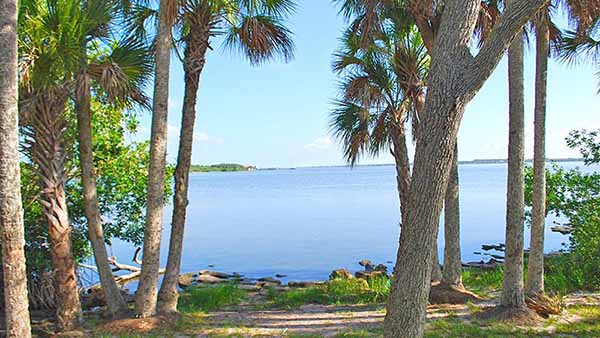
(65, 50)
(12, 229)
(253, 27)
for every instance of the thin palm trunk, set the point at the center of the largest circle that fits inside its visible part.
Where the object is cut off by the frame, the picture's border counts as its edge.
(193, 66)
(512, 287)
(535, 275)
(454, 79)
(14, 275)
(147, 293)
(112, 294)
(452, 274)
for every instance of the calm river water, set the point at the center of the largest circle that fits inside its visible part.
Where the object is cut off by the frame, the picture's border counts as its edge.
(306, 222)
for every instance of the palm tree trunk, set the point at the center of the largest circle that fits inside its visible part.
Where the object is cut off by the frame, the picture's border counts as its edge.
(452, 275)
(45, 138)
(168, 295)
(112, 294)
(147, 293)
(512, 286)
(535, 275)
(454, 79)
(400, 153)
(12, 230)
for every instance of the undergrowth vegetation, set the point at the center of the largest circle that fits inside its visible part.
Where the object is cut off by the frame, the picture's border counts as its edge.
(337, 291)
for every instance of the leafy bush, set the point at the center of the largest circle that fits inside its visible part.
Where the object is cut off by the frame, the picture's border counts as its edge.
(574, 196)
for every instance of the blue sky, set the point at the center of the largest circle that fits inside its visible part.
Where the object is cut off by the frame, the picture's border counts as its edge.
(276, 115)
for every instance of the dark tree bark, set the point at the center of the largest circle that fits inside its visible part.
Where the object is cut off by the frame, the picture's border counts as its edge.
(147, 293)
(512, 286)
(535, 275)
(14, 276)
(112, 294)
(194, 60)
(454, 79)
(452, 273)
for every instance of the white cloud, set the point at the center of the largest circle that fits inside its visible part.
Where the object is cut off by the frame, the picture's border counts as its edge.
(199, 136)
(320, 143)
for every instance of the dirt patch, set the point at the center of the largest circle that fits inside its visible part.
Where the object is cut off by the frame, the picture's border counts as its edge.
(137, 325)
(449, 294)
(521, 316)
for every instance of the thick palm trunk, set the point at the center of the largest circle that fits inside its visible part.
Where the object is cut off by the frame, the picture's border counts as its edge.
(454, 79)
(112, 294)
(147, 293)
(168, 295)
(47, 149)
(535, 275)
(14, 275)
(452, 274)
(512, 286)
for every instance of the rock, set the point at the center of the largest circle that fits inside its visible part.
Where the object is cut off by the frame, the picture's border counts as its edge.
(251, 288)
(209, 279)
(381, 267)
(270, 280)
(304, 284)
(340, 274)
(217, 274)
(366, 264)
(370, 274)
(186, 279)
(268, 284)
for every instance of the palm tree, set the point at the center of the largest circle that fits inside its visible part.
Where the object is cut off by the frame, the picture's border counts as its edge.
(582, 14)
(455, 78)
(60, 60)
(147, 293)
(12, 230)
(382, 89)
(512, 296)
(255, 28)
(121, 75)
(583, 45)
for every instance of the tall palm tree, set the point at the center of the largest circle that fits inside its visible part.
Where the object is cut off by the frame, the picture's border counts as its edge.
(256, 29)
(582, 14)
(65, 49)
(12, 230)
(512, 296)
(147, 293)
(121, 75)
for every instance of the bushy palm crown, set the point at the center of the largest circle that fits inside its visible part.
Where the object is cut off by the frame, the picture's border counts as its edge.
(253, 27)
(382, 87)
(61, 38)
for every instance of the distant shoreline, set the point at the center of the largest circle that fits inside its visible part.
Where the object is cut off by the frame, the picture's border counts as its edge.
(243, 168)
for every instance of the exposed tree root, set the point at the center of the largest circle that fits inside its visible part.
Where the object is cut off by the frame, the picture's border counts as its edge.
(450, 294)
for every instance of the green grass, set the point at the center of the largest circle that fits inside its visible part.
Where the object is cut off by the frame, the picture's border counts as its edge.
(562, 276)
(337, 291)
(205, 299)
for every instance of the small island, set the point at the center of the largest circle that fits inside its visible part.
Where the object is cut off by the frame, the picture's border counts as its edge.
(222, 167)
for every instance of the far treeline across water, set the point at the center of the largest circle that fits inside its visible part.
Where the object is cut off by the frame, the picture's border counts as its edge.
(220, 167)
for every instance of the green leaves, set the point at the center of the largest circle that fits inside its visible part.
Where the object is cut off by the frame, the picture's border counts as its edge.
(574, 196)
